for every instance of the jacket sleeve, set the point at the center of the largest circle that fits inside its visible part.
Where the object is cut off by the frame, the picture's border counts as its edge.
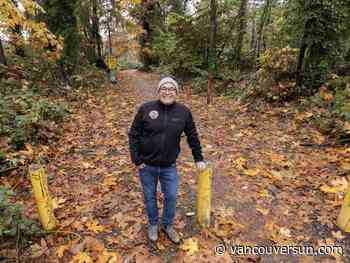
(192, 138)
(135, 133)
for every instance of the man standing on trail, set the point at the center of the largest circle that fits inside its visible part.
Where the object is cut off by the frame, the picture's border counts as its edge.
(154, 141)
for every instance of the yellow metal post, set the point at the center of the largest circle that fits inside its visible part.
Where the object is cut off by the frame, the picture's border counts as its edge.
(38, 177)
(204, 197)
(343, 220)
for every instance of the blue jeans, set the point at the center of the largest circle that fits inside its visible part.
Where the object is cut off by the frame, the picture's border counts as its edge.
(169, 181)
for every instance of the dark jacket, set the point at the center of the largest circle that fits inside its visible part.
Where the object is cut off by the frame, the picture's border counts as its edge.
(155, 134)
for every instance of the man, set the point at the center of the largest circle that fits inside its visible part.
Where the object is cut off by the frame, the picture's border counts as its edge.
(154, 140)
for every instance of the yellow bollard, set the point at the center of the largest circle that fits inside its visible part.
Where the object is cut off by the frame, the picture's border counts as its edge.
(38, 177)
(343, 220)
(204, 197)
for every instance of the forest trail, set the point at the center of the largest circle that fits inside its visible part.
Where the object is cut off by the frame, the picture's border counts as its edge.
(266, 187)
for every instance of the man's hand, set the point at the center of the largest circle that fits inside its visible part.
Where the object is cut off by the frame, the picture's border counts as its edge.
(201, 165)
(141, 166)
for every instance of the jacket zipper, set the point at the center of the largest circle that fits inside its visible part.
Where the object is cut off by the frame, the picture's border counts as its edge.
(165, 120)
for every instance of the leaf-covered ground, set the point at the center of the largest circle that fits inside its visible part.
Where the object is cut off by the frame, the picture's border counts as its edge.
(267, 189)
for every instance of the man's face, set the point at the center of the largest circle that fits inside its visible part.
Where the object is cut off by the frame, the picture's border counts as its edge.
(167, 94)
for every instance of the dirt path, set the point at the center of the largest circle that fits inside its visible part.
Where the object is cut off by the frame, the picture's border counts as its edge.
(265, 186)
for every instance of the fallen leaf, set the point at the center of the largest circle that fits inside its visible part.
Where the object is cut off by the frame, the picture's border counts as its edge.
(36, 251)
(61, 249)
(263, 210)
(338, 235)
(93, 226)
(240, 163)
(82, 257)
(251, 172)
(190, 245)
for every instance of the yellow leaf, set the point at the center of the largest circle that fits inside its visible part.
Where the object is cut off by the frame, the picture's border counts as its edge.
(338, 235)
(277, 158)
(114, 258)
(190, 245)
(265, 193)
(251, 172)
(345, 166)
(82, 257)
(160, 246)
(240, 163)
(263, 210)
(276, 175)
(327, 189)
(109, 181)
(87, 165)
(103, 257)
(285, 231)
(58, 202)
(347, 127)
(93, 226)
(61, 249)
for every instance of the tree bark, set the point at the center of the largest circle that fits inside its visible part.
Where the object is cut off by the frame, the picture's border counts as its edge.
(95, 29)
(242, 17)
(253, 38)
(2, 55)
(148, 8)
(263, 20)
(299, 79)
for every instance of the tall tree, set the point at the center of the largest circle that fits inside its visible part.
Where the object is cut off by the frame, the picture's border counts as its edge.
(263, 20)
(61, 20)
(18, 18)
(242, 18)
(151, 21)
(322, 44)
(97, 40)
(212, 48)
(253, 32)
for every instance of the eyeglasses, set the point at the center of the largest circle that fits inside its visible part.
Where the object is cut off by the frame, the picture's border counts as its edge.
(167, 89)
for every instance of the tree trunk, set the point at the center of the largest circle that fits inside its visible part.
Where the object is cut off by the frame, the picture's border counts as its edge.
(95, 29)
(212, 49)
(148, 8)
(299, 79)
(242, 18)
(212, 37)
(263, 20)
(253, 38)
(2, 55)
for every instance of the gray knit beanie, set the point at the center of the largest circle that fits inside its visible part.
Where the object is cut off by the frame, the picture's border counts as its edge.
(168, 80)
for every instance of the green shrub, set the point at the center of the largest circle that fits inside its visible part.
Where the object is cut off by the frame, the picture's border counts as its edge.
(341, 89)
(179, 48)
(277, 74)
(21, 111)
(12, 219)
(332, 104)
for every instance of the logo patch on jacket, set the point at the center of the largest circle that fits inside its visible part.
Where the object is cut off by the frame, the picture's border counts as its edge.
(153, 114)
